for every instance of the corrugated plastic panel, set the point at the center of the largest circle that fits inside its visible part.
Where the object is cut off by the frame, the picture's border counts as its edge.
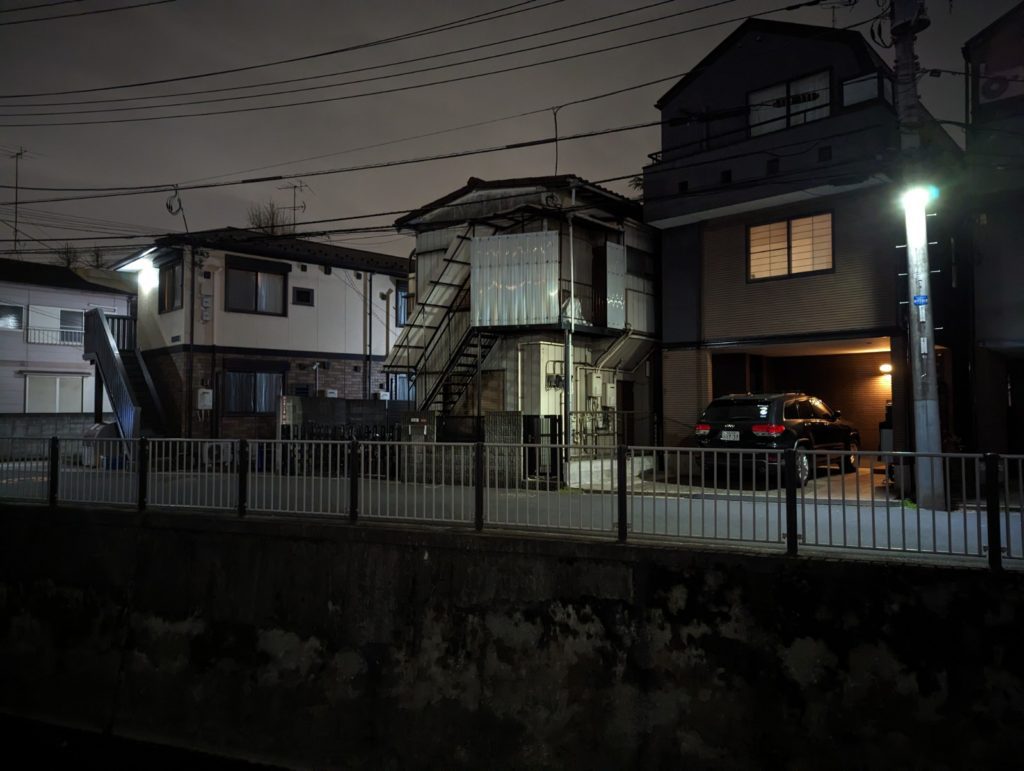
(514, 279)
(616, 302)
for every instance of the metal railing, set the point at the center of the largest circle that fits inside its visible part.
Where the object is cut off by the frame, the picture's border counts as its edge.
(297, 476)
(25, 469)
(55, 336)
(101, 347)
(98, 471)
(193, 473)
(792, 501)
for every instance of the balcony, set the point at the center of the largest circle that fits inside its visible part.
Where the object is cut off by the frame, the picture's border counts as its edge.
(55, 336)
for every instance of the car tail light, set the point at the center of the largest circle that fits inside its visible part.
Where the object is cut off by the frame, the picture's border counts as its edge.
(703, 429)
(768, 429)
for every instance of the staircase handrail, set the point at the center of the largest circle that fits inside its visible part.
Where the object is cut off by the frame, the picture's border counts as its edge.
(424, 307)
(100, 346)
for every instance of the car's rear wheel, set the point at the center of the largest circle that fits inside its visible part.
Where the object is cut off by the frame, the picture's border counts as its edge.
(803, 467)
(851, 458)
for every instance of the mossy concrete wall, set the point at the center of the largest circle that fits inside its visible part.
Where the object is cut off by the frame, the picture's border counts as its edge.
(332, 645)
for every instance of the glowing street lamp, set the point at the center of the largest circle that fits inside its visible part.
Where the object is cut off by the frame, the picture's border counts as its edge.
(921, 342)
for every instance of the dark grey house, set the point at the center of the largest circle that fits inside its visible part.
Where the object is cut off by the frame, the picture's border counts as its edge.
(777, 193)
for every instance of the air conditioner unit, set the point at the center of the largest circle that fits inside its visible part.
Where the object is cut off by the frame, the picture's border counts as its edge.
(328, 393)
(216, 453)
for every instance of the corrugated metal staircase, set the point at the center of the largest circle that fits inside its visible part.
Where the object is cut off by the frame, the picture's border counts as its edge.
(111, 345)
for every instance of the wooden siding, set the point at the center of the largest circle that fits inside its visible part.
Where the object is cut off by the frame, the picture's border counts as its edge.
(686, 389)
(858, 294)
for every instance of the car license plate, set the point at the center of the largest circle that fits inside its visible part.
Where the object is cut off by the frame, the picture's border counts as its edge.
(730, 436)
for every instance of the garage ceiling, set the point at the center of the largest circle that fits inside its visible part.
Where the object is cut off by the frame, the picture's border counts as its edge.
(813, 348)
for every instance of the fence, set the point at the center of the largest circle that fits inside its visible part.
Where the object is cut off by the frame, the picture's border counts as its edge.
(811, 502)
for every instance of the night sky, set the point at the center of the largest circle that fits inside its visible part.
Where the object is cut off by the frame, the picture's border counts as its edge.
(188, 37)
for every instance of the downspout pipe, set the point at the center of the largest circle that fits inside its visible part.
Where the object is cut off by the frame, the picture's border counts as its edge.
(190, 357)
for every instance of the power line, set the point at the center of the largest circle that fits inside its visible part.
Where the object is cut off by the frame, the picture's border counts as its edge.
(168, 186)
(146, 189)
(398, 89)
(457, 23)
(84, 13)
(38, 5)
(367, 68)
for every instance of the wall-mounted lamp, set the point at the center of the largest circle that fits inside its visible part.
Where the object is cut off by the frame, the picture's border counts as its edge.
(885, 369)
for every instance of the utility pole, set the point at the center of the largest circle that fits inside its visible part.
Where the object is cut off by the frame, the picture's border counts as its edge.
(908, 18)
(295, 187)
(570, 327)
(17, 163)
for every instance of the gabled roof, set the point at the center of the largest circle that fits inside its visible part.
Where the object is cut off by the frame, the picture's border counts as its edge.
(848, 36)
(59, 277)
(587, 193)
(287, 247)
(994, 26)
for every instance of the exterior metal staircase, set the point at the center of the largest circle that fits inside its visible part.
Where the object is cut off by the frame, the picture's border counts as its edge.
(438, 347)
(111, 345)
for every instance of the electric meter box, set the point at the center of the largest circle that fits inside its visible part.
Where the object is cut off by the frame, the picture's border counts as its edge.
(204, 399)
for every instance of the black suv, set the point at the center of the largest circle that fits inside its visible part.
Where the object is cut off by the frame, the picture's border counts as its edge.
(775, 422)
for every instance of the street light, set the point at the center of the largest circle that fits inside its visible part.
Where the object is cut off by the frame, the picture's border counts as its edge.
(921, 343)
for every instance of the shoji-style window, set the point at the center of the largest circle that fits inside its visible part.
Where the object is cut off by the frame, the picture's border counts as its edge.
(790, 247)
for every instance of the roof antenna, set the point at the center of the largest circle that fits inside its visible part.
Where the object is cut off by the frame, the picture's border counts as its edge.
(554, 114)
(176, 207)
(834, 4)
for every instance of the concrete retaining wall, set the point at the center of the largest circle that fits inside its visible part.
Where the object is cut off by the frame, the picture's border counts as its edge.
(331, 645)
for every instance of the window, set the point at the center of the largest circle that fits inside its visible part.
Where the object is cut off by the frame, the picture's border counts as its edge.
(252, 393)
(821, 412)
(802, 245)
(861, 89)
(170, 287)
(72, 327)
(401, 303)
(53, 393)
(302, 296)
(253, 291)
(789, 104)
(12, 317)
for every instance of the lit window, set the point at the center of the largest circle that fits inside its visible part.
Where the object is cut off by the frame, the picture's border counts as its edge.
(789, 104)
(802, 245)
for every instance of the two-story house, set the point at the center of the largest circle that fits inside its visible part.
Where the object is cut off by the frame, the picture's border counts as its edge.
(46, 389)
(777, 191)
(994, 61)
(231, 320)
(504, 269)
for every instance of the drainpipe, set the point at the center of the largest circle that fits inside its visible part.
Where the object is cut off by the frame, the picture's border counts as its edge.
(190, 356)
(569, 329)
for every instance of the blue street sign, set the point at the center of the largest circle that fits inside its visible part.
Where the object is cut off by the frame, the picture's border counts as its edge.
(920, 299)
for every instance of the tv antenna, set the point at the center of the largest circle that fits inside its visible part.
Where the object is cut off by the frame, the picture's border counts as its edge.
(835, 5)
(296, 187)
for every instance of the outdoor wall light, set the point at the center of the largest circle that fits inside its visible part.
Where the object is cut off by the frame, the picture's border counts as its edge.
(885, 369)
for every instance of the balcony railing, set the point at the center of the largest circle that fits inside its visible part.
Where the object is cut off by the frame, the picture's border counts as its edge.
(55, 336)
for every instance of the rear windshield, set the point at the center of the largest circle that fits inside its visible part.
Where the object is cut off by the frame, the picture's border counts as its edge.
(734, 409)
